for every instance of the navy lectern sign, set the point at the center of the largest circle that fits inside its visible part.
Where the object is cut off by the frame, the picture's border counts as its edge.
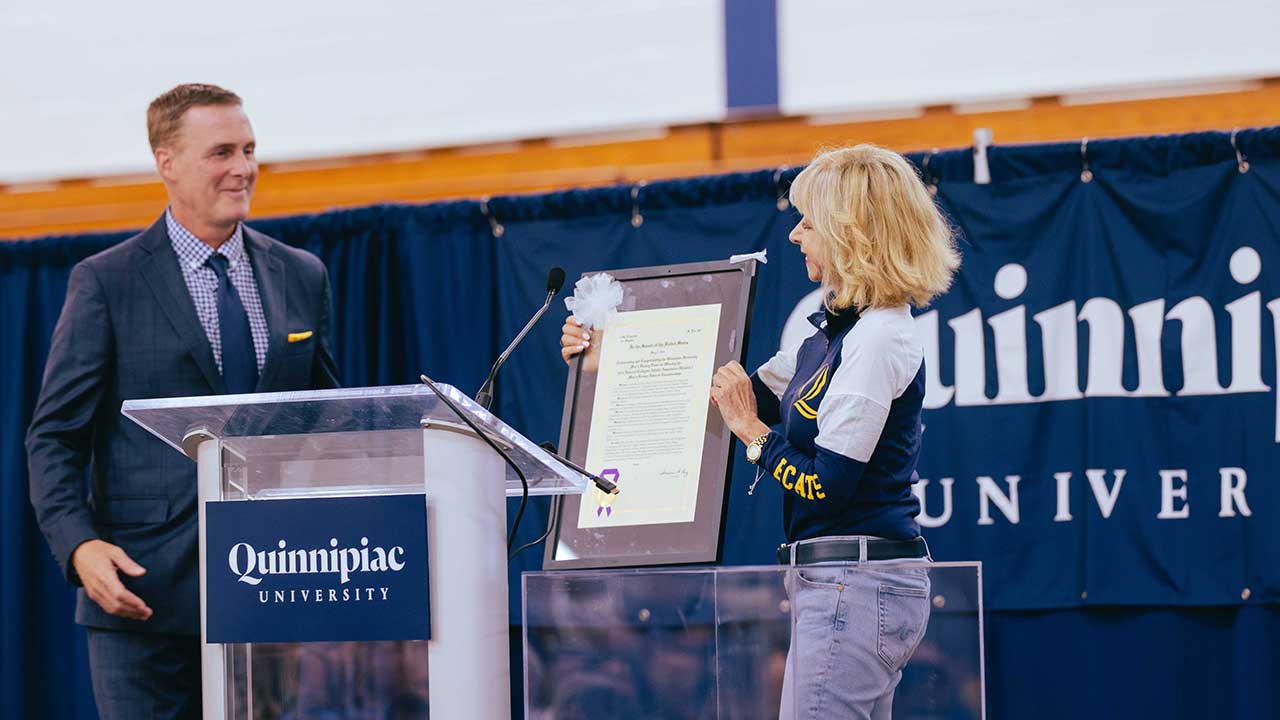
(328, 569)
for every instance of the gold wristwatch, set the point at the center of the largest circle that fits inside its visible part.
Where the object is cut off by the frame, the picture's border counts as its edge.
(755, 448)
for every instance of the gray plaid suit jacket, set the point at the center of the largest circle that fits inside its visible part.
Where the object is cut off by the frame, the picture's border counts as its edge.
(129, 330)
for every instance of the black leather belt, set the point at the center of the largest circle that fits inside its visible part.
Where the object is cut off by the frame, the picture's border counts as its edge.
(847, 550)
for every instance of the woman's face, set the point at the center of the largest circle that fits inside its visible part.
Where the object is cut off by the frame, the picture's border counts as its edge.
(812, 246)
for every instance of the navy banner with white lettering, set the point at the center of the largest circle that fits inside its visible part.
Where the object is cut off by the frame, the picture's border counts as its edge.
(1101, 411)
(1100, 417)
(329, 569)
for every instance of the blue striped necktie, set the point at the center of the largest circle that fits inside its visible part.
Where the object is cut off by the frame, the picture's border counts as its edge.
(239, 360)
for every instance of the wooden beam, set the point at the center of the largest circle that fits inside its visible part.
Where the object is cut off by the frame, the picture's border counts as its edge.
(115, 203)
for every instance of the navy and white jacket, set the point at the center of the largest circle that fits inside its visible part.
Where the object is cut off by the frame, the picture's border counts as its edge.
(845, 408)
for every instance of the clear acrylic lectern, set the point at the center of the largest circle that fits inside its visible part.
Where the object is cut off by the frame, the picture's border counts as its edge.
(721, 642)
(360, 442)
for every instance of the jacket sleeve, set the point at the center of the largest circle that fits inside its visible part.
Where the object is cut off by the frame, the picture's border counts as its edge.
(60, 438)
(825, 480)
(324, 371)
(768, 408)
(851, 419)
(770, 381)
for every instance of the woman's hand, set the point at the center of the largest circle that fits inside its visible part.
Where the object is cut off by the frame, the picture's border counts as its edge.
(731, 392)
(575, 339)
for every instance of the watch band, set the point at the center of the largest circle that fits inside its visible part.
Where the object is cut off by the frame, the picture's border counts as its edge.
(758, 446)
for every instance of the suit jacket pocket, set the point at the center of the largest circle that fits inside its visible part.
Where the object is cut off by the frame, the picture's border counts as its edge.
(299, 347)
(124, 511)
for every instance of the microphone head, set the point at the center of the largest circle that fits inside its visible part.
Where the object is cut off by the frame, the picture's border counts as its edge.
(555, 280)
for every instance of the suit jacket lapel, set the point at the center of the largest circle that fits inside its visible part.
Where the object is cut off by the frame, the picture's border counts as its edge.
(158, 264)
(269, 272)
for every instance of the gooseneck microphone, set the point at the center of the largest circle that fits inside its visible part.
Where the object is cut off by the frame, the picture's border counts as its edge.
(555, 280)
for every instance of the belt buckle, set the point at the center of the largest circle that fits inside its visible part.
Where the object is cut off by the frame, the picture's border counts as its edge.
(786, 554)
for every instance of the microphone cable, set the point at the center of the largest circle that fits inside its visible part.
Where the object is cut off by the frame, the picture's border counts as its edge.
(524, 482)
(601, 484)
(551, 522)
(484, 397)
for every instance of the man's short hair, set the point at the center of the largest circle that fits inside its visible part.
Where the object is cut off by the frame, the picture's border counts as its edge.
(164, 115)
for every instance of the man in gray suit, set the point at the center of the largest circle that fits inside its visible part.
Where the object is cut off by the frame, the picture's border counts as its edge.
(198, 304)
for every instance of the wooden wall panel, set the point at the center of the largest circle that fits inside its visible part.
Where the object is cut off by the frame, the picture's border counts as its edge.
(1046, 120)
(538, 165)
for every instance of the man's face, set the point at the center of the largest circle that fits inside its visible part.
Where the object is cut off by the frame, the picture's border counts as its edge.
(210, 168)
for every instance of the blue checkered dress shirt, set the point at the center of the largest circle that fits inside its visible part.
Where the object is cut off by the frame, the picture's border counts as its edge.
(202, 283)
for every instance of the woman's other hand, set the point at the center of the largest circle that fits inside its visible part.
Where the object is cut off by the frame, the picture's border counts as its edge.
(576, 339)
(731, 392)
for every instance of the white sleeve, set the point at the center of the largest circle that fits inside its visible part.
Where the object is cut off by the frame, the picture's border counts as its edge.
(875, 368)
(777, 371)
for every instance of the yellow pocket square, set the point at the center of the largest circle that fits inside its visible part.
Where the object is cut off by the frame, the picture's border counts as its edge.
(299, 336)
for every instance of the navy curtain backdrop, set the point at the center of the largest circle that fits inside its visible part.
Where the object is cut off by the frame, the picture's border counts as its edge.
(1102, 418)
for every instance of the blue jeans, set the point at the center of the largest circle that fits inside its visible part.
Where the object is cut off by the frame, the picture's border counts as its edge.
(854, 627)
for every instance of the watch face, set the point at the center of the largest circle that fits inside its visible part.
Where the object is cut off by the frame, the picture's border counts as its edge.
(753, 452)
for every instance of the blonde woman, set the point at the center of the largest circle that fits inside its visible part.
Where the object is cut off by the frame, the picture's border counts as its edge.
(845, 408)
(836, 423)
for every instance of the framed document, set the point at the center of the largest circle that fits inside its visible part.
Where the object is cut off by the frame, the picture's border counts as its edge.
(637, 412)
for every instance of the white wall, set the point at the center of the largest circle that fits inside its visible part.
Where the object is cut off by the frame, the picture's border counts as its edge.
(323, 79)
(840, 55)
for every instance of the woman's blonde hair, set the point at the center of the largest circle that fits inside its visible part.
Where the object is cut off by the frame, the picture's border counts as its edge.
(886, 241)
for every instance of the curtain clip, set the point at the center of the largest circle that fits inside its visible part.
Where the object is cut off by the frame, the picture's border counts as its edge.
(1241, 163)
(783, 203)
(1086, 175)
(636, 218)
(981, 169)
(494, 225)
(930, 182)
